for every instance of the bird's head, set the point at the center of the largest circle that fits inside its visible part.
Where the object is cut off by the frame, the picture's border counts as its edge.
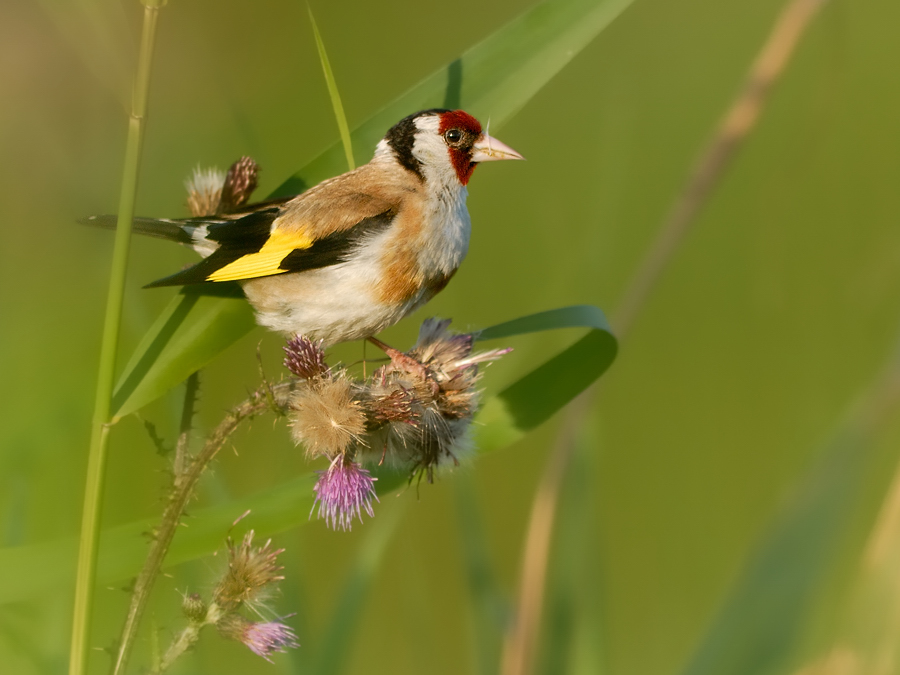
(443, 146)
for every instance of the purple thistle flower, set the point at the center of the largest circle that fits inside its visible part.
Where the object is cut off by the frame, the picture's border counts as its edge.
(342, 492)
(305, 358)
(266, 638)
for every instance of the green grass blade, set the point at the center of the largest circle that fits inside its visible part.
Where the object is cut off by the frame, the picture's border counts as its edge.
(27, 570)
(533, 399)
(332, 648)
(575, 566)
(335, 95)
(489, 609)
(494, 79)
(762, 622)
(765, 620)
(94, 488)
(174, 346)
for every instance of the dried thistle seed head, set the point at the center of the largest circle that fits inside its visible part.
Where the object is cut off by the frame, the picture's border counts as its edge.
(438, 347)
(239, 184)
(343, 491)
(305, 358)
(450, 355)
(394, 405)
(429, 427)
(326, 417)
(204, 189)
(252, 570)
(262, 638)
(437, 441)
(423, 423)
(458, 404)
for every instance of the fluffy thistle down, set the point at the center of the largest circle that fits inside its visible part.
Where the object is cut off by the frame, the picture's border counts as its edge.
(415, 419)
(252, 573)
(326, 417)
(204, 189)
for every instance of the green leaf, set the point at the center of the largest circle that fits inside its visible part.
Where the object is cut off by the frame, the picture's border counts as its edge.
(536, 397)
(494, 79)
(27, 570)
(174, 347)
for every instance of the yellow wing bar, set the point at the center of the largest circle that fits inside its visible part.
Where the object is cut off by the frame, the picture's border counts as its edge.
(266, 260)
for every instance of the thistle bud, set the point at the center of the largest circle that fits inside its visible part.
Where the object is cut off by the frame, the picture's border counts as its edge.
(193, 608)
(305, 358)
(240, 182)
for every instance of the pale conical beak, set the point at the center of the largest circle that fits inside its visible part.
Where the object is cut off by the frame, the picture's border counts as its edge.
(489, 149)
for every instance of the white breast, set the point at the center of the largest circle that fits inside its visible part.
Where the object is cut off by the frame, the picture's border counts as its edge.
(447, 231)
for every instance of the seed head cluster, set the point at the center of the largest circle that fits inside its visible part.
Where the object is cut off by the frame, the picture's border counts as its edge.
(414, 414)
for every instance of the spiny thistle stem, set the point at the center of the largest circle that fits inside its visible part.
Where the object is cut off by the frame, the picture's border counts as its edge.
(93, 494)
(184, 431)
(184, 488)
(185, 640)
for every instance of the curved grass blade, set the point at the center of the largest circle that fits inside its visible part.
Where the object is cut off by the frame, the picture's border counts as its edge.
(335, 95)
(495, 78)
(28, 570)
(536, 397)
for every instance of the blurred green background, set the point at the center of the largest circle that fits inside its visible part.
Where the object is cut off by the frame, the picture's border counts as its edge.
(778, 311)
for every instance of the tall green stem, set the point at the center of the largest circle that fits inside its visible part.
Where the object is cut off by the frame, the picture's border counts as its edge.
(93, 494)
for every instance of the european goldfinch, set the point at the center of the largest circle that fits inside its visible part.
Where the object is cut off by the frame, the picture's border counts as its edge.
(356, 253)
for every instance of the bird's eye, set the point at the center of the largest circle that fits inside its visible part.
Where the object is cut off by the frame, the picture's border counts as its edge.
(453, 136)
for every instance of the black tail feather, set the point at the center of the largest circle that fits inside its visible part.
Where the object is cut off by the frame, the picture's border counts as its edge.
(161, 228)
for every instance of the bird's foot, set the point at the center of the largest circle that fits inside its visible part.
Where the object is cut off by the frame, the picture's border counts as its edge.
(402, 361)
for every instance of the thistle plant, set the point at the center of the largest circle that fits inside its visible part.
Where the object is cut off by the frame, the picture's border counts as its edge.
(490, 78)
(412, 414)
(247, 584)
